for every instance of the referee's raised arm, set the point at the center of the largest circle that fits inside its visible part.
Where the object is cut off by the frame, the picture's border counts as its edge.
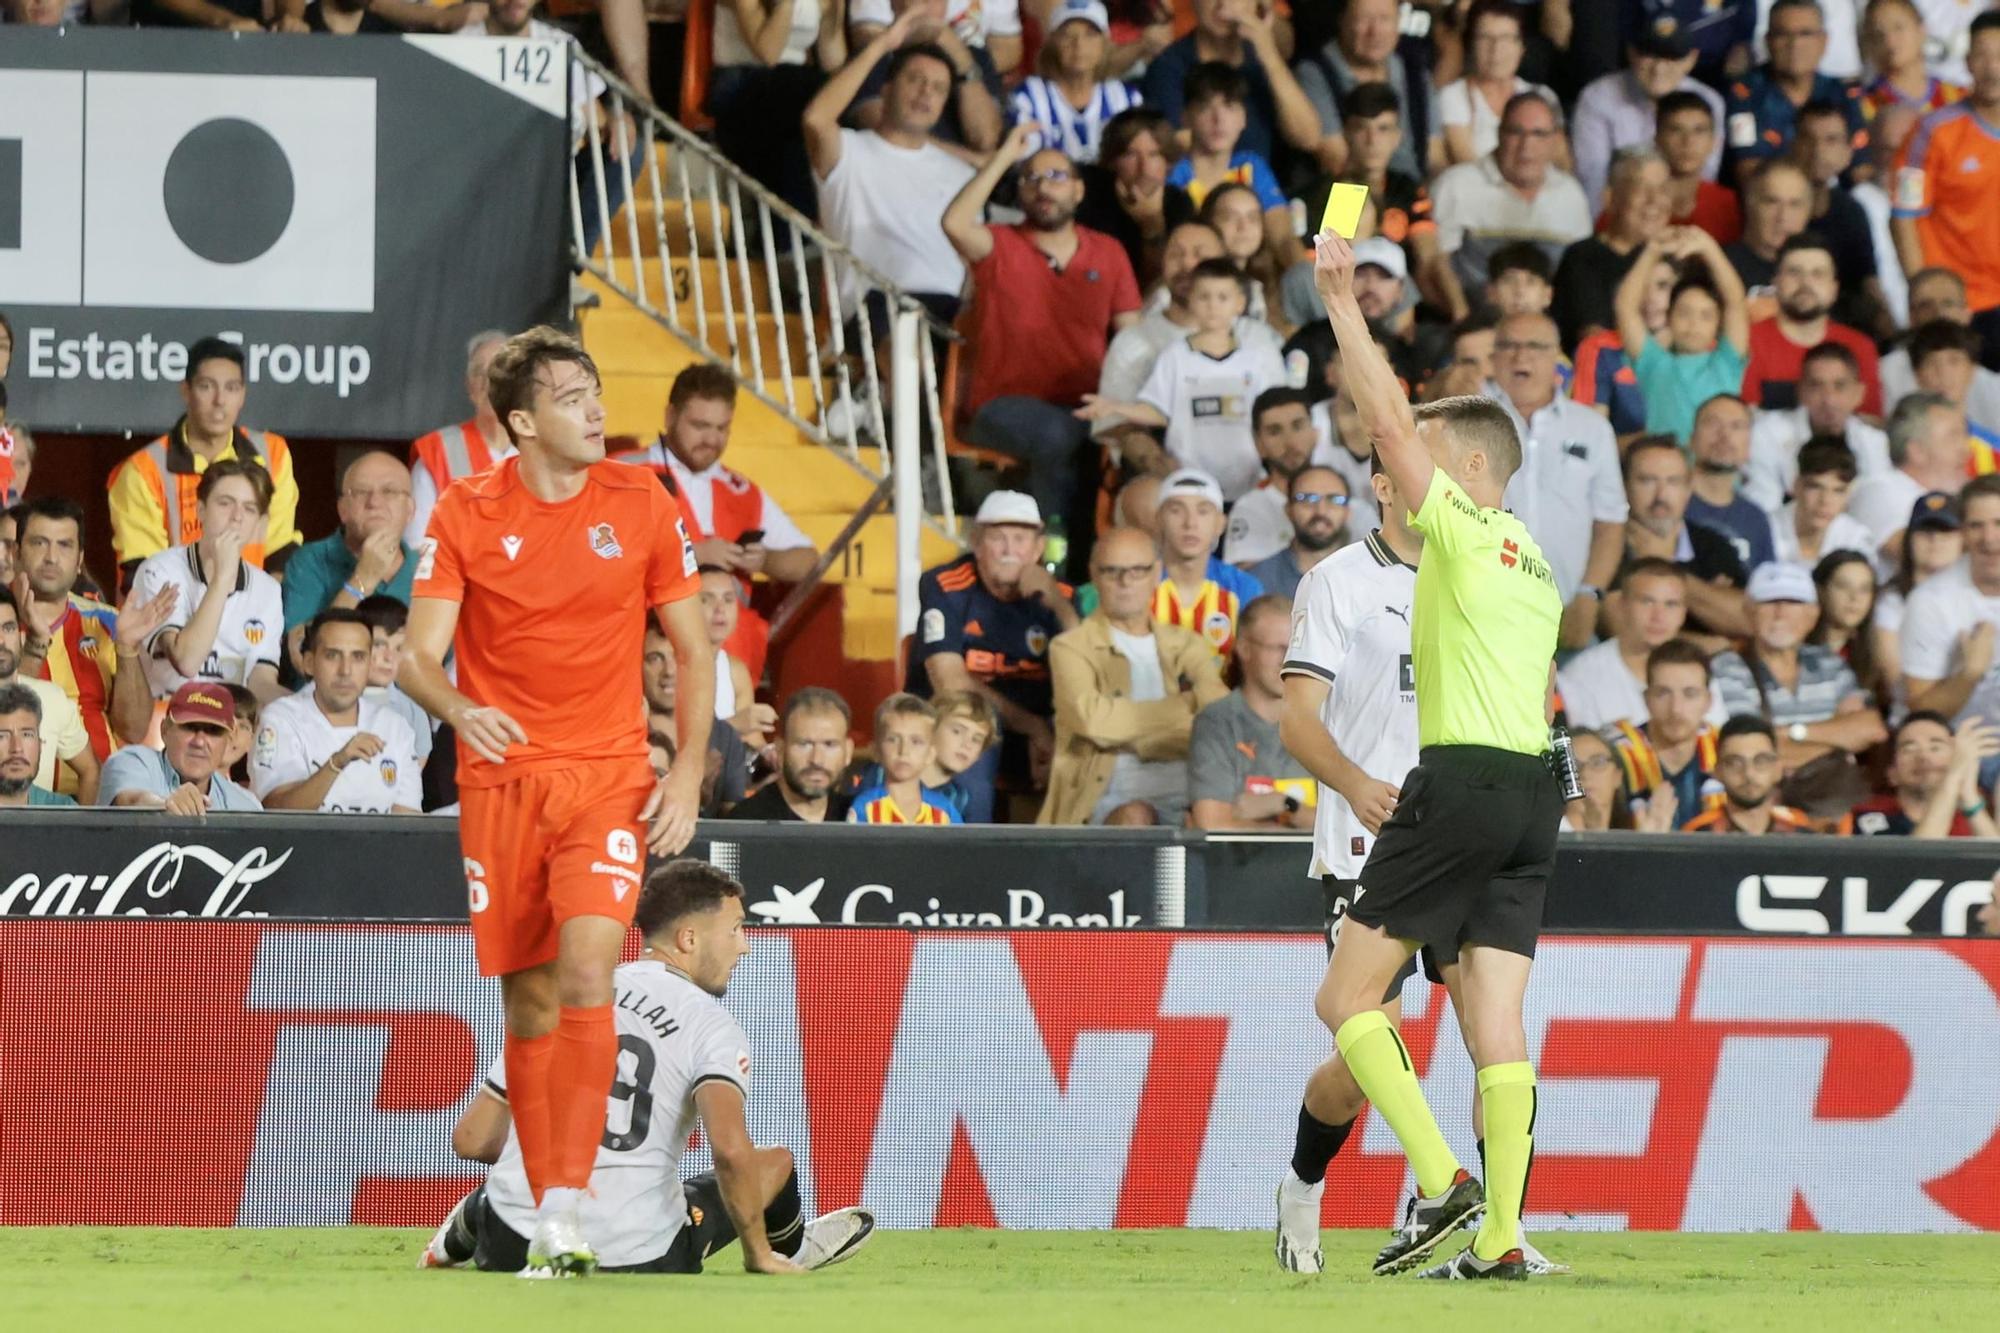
(1370, 381)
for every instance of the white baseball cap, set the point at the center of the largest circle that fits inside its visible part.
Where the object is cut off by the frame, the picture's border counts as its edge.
(1009, 507)
(1782, 581)
(1384, 254)
(1190, 481)
(1089, 11)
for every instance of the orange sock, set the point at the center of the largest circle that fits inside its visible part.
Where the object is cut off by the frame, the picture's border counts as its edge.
(528, 1061)
(586, 1059)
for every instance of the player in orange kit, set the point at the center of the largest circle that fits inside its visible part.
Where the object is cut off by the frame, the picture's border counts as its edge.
(541, 573)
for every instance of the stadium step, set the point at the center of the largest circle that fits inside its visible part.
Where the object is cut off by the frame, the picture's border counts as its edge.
(625, 339)
(870, 559)
(813, 479)
(868, 630)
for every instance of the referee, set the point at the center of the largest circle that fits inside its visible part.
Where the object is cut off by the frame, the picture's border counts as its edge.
(1463, 863)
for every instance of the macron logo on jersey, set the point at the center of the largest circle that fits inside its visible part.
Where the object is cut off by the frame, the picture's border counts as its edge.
(511, 545)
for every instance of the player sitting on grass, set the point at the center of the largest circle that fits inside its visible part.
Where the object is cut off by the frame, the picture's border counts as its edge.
(680, 1055)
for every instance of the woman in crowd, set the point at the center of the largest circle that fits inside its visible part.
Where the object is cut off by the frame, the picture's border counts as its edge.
(1237, 216)
(1072, 96)
(771, 56)
(1603, 805)
(1846, 583)
(1931, 543)
(1470, 107)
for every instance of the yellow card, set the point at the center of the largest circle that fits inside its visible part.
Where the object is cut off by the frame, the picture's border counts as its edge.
(1343, 210)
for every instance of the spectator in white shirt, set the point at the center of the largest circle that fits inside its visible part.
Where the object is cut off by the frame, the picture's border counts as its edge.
(1288, 441)
(1830, 393)
(1469, 109)
(1949, 623)
(228, 620)
(992, 26)
(1933, 543)
(329, 747)
(1815, 523)
(1927, 448)
(387, 620)
(1939, 293)
(1074, 96)
(769, 58)
(1569, 490)
(1606, 683)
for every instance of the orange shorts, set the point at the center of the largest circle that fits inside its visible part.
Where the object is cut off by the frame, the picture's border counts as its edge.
(546, 847)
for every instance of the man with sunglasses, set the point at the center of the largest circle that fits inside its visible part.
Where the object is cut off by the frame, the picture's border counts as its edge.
(1316, 507)
(185, 776)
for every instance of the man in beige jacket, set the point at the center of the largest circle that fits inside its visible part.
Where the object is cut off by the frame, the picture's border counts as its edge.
(1126, 692)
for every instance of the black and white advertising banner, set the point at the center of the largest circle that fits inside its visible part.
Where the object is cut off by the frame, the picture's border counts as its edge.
(350, 211)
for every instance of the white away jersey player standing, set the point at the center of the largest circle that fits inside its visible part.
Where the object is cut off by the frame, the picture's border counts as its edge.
(294, 739)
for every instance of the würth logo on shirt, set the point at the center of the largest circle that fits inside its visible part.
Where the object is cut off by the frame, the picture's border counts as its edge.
(605, 542)
(1510, 553)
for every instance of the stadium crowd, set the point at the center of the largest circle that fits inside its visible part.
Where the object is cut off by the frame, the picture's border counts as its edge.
(1721, 261)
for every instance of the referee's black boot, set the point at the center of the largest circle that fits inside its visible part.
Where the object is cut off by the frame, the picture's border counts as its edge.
(1427, 1222)
(1465, 1266)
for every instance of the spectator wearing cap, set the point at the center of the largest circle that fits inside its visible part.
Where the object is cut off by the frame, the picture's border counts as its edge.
(1928, 451)
(1747, 767)
(1125, 191)
(153, 501)
(1720, 31)
(1382, 287)
(1288, 440)
(1806, 692)
(1568, 490)
(21, 750)
(1238, 35)
(365, 556)
(330, 747)
(1806, 287)
(1168, 319)
(1950, 619)
(1830, 393)
(1073, 97)
(1688, 133)
(1939, 293)
(1592, 269)
(1815, 523)
(1199, 593)
(1127, 689)
(1777, 204)
(1934, 783)
(1657, 487)
(1202, 386)
(881, 190)
(1944, 355)
(1515, 194)
(228, 616)
(1720, 444)
(734, 523)
(1367, 47)
(184, 776)
(1933, 542)
(1763, 105)
(1605, 684)
(1048, 295)
(984, 624)
(1626, 109)
(1316, 503)
(1469, 107)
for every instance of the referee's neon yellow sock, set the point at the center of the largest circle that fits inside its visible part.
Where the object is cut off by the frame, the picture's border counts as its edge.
(1508, 1093)
(1381, 1065)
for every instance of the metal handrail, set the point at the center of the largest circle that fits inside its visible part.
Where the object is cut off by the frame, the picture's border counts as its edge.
(846, 414)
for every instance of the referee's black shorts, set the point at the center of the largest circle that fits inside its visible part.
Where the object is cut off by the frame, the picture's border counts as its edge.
(1466, 857)
(1339, 894)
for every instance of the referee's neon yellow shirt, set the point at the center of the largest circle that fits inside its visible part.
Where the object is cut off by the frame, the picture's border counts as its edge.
(1483, 627)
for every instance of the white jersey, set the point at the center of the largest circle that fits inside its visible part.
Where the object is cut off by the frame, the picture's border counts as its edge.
(253, 619)
(294, 738)
(673, 1036)
(1206, 401)
(1351, 629)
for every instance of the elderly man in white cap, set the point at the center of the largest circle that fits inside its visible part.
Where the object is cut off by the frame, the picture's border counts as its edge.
(984, 624)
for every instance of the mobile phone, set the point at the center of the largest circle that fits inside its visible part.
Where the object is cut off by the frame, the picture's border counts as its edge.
(751, 538)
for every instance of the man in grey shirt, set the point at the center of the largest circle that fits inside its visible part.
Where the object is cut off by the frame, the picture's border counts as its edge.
(184, 777)
(1240, 776)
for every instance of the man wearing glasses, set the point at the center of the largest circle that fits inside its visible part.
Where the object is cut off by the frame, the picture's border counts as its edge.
(1515, 193)
(1569, 491)
(366, 556)
(1316, 507)
(1747, 766)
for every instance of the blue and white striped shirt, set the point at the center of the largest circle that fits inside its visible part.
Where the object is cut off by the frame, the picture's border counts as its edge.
(1076, 132)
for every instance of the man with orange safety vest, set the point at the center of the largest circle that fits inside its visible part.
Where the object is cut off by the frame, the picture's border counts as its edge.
(735, 525)
(153, 503)
(464, 450)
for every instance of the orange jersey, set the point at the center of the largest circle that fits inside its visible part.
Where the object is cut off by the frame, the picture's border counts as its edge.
(1947, 178)
(553, 600)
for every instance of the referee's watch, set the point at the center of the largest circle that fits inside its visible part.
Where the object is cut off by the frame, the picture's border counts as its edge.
(1797, 732)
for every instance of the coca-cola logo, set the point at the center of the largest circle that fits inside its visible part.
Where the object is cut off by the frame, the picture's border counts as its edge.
(166, 879)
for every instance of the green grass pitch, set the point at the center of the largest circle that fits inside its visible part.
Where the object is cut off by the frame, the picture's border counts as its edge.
(361, 1280)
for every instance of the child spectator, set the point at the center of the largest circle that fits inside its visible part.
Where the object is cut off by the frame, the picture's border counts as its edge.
(1520, 280)
(1708, 332)
(1944, 357)
(904, 725)
(387, 619)
(1603, 377)
(1216, 96)
(1815, 524)
(1202, 386)
(1371, 118)
(967, 727)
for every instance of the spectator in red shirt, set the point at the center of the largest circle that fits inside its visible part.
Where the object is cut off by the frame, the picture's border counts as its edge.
(1685, 135)
(1048, 295)
(1806, 289)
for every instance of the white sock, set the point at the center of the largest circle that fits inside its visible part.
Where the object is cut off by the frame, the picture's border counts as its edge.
(557, 1200)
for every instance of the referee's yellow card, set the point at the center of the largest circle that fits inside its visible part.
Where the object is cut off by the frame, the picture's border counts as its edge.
(1343, 210)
